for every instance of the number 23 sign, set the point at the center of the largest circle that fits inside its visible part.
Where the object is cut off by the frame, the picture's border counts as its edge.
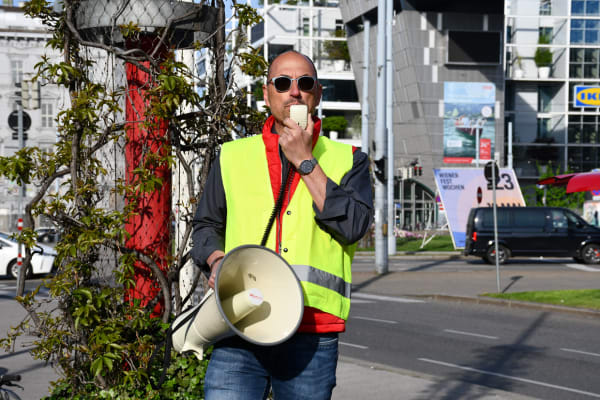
(459, 187)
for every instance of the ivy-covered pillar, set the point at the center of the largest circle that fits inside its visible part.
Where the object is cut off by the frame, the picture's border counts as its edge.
(148, 174)
(155, 27)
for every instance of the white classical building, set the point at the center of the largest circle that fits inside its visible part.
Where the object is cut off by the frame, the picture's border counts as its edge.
(22, 44)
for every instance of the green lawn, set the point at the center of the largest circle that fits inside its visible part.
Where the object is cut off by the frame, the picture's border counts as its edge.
(587, 298)
(438, 243)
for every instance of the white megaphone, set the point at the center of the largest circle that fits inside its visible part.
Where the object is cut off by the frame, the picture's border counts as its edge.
(257, 296)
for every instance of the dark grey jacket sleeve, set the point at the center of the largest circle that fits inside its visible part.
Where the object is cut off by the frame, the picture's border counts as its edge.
(348, 210)
(208, 232)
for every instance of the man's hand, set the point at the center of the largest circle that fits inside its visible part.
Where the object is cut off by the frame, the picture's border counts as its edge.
(295, 142)
(213, 261)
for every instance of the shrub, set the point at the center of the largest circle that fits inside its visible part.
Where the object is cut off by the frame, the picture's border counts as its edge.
(543, 55)
(334, 123)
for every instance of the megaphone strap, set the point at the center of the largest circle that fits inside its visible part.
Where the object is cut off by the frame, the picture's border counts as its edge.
(278, 205)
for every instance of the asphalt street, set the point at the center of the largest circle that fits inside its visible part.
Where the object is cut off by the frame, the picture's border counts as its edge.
(439, 295)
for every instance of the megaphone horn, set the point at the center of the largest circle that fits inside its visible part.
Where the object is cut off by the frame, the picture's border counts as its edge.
(257, 296)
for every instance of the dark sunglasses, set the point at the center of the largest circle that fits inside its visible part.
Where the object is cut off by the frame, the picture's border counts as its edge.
(284, 83)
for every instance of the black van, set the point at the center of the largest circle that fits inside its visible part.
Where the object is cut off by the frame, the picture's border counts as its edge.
(531, 231)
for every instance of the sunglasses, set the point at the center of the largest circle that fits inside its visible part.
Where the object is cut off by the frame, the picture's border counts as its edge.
(284, 83)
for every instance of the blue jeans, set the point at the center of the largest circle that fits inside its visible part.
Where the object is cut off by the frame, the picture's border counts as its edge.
(301, 368)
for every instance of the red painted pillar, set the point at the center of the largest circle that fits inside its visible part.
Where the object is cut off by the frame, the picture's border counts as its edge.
(147, 140)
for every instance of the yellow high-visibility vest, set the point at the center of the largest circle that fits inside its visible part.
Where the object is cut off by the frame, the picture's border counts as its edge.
(321, 263)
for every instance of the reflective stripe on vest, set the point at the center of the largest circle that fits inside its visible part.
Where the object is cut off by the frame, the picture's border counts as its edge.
(325, 279)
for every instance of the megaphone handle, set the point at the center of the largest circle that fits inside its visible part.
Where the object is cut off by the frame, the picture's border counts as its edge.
(278, 205)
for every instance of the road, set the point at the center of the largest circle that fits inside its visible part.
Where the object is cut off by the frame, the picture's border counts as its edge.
(541, 354)
(394, 322)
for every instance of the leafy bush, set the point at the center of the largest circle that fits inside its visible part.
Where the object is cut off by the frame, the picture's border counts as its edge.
(552, 196)
(543, 55)
(337, 49)
(94, 331)
(334, 123)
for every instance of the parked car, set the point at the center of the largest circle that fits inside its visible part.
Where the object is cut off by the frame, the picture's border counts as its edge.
(42, 261)
(47, 235)
(531, 231)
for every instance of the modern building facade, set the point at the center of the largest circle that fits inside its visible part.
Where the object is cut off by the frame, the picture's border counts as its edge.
(443, 52)
(22, 44)
(548, 128)
(520, 59)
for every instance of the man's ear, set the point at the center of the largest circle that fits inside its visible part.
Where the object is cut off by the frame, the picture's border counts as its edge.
(318, 95)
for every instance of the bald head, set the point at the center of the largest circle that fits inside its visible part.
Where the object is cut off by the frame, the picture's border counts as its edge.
(275, 60)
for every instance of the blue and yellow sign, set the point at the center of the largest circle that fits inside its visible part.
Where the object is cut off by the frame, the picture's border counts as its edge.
(586, 96)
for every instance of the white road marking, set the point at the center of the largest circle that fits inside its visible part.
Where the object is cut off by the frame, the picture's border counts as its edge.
(357, 301)
(385, 321)
(358, 346)
(582, 352)
(582, 267)
(516, 378)
(367, 296)
(471, 334)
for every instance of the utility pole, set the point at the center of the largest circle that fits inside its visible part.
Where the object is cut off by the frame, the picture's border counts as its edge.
(389, 127)
(365, 86)
(21, 274)
(381, 256)
(29, 101)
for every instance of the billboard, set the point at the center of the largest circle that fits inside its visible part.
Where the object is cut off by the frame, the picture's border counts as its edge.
(468, 111)
(586, 96)
(458, 189)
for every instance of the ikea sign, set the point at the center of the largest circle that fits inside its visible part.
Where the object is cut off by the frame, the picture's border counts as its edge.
(586, 96)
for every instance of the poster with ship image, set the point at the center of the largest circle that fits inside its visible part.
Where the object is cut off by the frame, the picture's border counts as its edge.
(468, 111)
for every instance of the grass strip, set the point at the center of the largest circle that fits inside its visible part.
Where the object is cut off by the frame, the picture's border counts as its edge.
(586, 298)
(438, 243)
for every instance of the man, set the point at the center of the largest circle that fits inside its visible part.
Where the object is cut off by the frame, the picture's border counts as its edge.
(327, 207)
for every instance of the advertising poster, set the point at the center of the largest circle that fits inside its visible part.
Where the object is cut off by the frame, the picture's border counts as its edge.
(458, 191)
(468, 111)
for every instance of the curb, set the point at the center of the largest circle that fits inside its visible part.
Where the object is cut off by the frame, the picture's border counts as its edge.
(511, 304)
(450, 254)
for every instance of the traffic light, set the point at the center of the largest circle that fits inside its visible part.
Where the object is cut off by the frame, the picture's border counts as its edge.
(25, 93)
(30, 94)
(418, 170)
(36, 96)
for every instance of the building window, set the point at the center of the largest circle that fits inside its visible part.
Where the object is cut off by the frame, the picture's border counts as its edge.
(339, 25)
(585, 31)
(584, 63)
(201, 67)
(585, 7)
(545, 7)
(543, 130)
(545, 96)
(546, 32)
(584, 129)
(16, 67)
(47, 117)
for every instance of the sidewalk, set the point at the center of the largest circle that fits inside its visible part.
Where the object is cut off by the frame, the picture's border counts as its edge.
(359, 380)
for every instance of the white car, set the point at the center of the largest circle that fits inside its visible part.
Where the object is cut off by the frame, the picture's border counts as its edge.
(41, 262)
